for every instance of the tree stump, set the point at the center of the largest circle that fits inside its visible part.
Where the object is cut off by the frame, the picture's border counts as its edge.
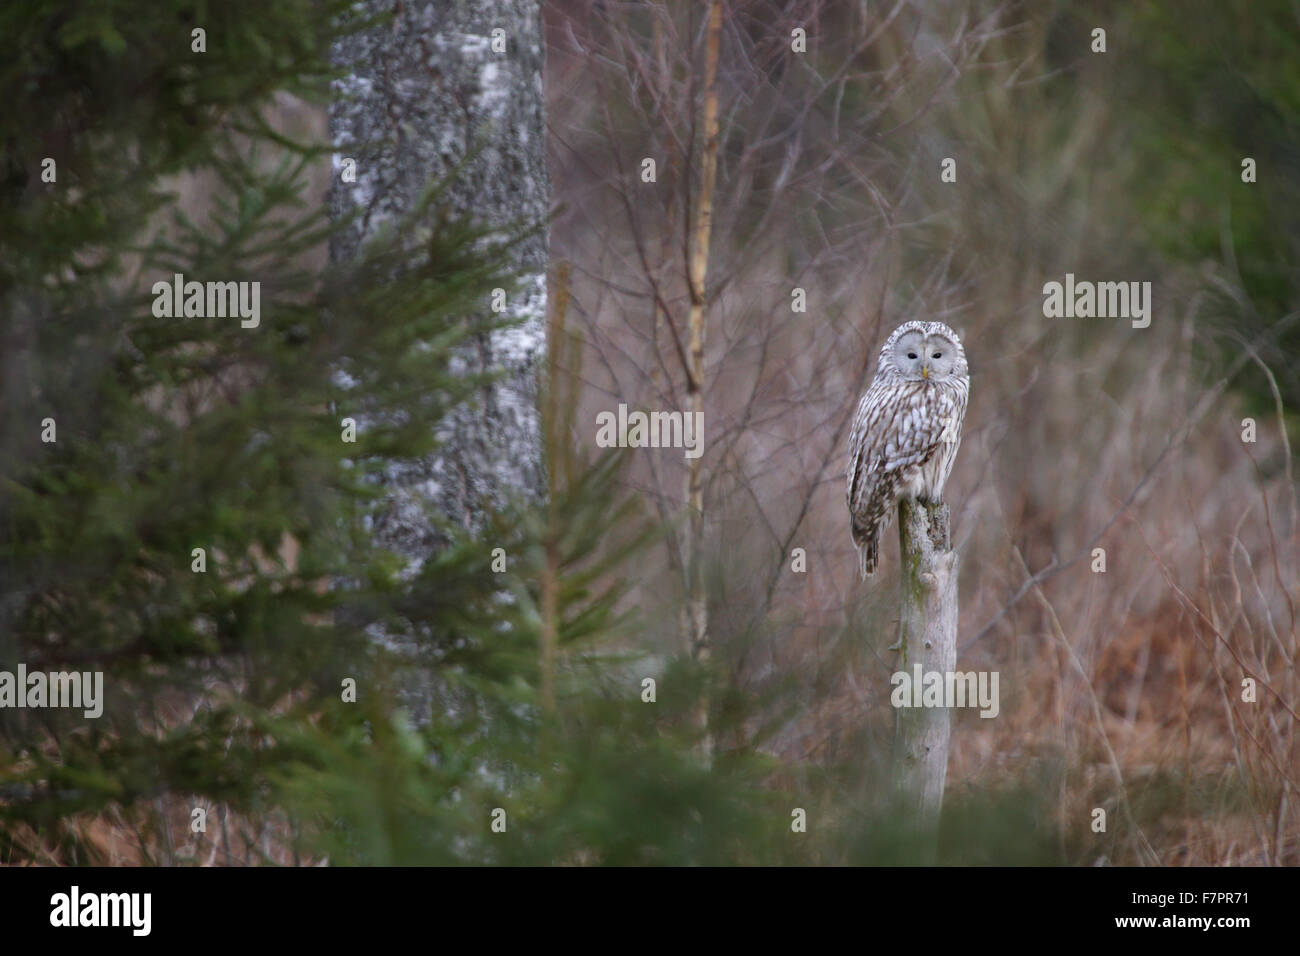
(928, 637)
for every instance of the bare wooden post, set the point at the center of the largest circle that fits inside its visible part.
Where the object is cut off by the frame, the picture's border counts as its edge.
(928, 637)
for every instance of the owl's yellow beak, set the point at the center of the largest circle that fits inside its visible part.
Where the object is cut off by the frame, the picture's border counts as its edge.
(925, 371)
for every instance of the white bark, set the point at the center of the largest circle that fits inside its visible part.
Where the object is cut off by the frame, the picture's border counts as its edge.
(428, 95)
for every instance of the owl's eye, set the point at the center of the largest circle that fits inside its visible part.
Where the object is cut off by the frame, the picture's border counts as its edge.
(911, 355)
(937, 355)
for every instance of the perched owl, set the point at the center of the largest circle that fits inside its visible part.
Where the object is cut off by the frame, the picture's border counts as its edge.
(906, 430)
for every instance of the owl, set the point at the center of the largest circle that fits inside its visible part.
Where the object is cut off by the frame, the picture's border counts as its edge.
(906, 430)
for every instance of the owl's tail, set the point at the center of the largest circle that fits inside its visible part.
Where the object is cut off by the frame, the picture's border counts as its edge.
(868, 545)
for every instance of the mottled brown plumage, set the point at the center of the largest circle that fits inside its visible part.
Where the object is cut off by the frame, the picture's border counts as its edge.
(906, 431)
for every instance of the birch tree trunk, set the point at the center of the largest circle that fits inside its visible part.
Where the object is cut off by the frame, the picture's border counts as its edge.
(701, 231)
(928, 637)
(428, 94)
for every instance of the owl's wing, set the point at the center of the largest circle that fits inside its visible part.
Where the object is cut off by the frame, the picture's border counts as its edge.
(898, 425)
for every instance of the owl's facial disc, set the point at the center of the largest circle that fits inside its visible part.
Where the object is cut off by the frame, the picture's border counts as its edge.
(939, 357)
(911, 356)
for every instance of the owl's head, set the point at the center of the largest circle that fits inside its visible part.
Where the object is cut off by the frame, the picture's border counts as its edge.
(924, 351)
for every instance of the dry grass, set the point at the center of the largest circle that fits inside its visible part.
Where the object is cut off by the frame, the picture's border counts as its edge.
(1081, 433)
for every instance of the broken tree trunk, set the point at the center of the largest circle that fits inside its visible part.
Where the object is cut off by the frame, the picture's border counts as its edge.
(928, 637)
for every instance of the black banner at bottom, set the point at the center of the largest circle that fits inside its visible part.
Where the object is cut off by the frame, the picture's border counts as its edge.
(332, 906)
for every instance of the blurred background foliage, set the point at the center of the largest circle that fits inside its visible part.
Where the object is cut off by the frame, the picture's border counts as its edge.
(224, 688)
(1219, 82)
